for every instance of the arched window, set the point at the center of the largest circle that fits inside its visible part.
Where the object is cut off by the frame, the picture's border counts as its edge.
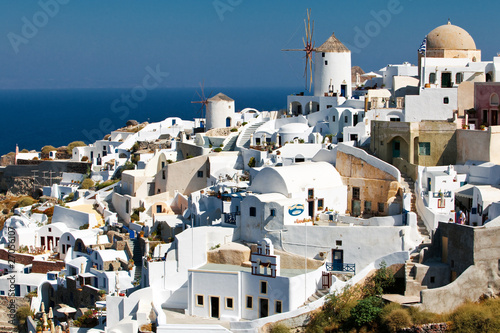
(459, 78)
(494, 99)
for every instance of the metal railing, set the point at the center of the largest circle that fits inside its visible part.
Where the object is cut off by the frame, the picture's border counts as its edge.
(339, 267)
(230, 218)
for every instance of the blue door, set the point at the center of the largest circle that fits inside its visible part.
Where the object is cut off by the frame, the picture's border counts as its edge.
(338, 260)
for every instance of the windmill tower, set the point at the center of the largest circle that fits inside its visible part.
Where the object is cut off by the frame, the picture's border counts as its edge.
(332, 69)
(309, 49)
(220, 111)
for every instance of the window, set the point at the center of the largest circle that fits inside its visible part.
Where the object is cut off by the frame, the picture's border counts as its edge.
(355, 193)
(278, 308)
(263, 287)
(320, 204)
(446, 100)
(326, 62)
(323, 54)
(200, 300)
(333, 118)
(338, 243)
(50, 229)
(346, 119)
(249, 303)
(163, 174)
(253, 211)
(432, 78)
(329, 106)
(494, 100)
(68, 237)
(63, 249)
(368, 206)
(200, 174)
(273, 212)
(459, 78)
(433, 279)
(229, 303)
(424, 148)
(310, 193)
(394, 119)
(381, 207)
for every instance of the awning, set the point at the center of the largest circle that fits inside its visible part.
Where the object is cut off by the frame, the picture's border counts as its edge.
(465, 191)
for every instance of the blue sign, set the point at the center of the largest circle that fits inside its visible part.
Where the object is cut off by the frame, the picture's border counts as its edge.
(296, 210)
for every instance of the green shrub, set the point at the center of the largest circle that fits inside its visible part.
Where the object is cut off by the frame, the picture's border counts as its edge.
(84, 159)
(251, 162)
(472, 317)
(87, 183)
(397, 319)
(135, 147)
(47, 149)
(83, 227)
(244, 123)
(420, 317)
(380, 281)
(69, 148)
(107, 183)
(26, 201)
(22, 314)
(280, 328)
(218, 150)
(366, 311)
(70, 197)
(234, 129)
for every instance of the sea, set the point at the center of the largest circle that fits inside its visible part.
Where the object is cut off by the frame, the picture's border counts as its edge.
(36, 118)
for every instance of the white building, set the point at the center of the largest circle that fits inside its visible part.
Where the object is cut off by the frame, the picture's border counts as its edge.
(220, 112)
(282, 195)
(230, 292)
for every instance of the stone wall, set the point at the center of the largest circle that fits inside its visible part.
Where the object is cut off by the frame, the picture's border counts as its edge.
(19, 258)
(47, 266)
(5, 326)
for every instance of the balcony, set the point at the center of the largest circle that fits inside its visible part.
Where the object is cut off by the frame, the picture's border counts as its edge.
(230, 218)
(340, 267)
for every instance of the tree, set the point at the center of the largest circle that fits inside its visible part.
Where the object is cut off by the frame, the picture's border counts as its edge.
(74, 144)
(87, 183)
(47, 149)
(251, 162)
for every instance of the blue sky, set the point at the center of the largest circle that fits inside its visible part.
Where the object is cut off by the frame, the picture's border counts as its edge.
(99, 43)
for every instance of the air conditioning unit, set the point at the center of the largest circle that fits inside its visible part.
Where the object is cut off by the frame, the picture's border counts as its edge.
(323, 254)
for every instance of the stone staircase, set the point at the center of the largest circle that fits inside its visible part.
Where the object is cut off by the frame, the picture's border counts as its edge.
(413, 287)
(244, 138)
(136, 256)
(317, 295)
(231, 144)
(409, 185)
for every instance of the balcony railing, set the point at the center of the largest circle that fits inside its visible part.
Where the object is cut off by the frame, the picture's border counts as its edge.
(339, 267)
(230, 218)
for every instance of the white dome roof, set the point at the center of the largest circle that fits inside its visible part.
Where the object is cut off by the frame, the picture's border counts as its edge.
(294, 128)
(450, 37)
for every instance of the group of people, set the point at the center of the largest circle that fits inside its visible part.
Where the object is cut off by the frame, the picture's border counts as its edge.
(461, 218)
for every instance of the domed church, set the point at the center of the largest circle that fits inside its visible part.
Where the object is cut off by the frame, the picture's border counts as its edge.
(451, 41)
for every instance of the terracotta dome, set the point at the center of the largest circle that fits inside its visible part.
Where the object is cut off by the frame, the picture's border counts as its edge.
(450, 37)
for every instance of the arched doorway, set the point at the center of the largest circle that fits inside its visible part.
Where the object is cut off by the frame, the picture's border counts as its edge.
(398, 148)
